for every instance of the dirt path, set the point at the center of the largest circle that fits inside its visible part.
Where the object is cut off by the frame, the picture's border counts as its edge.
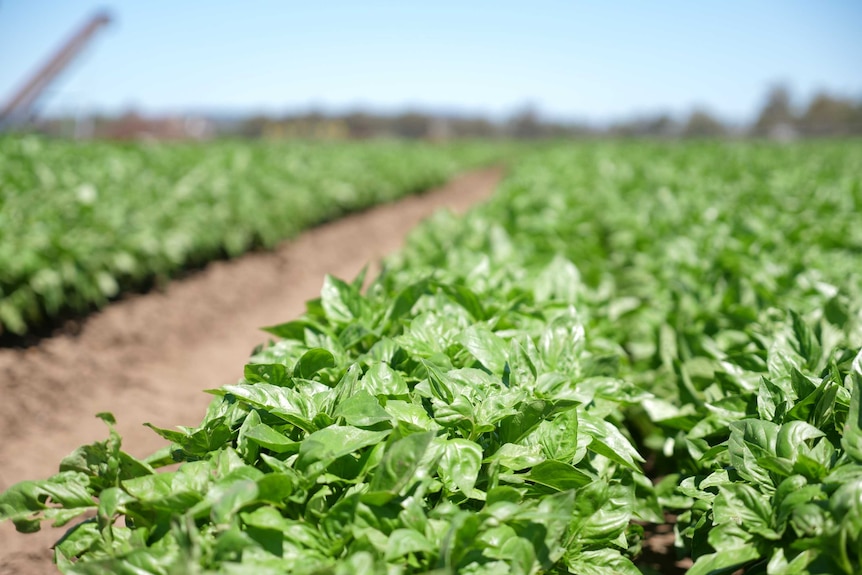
(147, 358)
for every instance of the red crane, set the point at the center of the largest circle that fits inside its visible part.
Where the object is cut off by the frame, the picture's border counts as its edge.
(20, 106)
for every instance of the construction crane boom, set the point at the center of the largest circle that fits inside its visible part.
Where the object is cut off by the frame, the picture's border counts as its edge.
(20, 106)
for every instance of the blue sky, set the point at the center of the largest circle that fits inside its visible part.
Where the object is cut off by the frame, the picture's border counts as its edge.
(573, 60)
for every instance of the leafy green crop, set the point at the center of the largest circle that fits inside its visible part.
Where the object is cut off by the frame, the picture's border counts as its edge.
(79, 222)
(379, 432)
(625, 335)
(725, 281)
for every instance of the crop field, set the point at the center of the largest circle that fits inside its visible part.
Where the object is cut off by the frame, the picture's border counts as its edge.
(81, 222)
(627, 340)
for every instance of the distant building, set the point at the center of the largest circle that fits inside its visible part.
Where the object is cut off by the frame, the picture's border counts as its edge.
(132, 126)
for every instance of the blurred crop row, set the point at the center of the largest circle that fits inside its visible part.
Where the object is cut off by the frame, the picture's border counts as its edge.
(79, 222)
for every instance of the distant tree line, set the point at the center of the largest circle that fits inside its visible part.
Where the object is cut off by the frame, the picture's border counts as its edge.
(824, 116)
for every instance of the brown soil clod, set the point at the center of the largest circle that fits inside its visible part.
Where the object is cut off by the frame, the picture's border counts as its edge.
(658, 554)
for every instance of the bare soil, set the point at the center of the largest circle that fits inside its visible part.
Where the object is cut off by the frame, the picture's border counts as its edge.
(658, 554)
(148, 357)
